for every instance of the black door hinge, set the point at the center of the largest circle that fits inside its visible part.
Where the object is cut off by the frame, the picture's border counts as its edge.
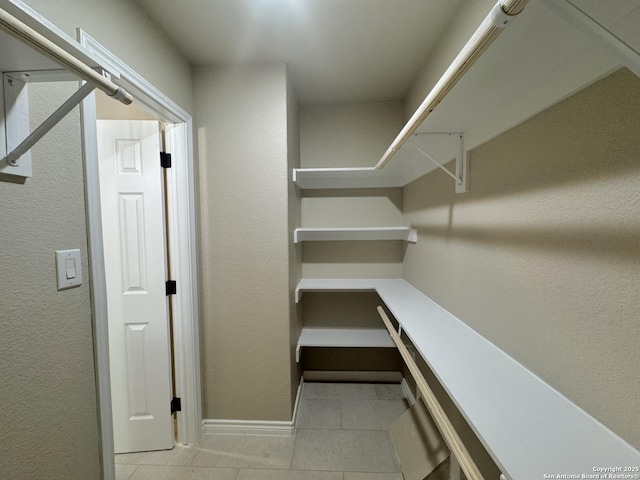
(165, 160)
(176, 405)
(171, 287)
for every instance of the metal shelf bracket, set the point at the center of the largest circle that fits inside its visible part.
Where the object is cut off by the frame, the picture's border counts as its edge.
(461, 176)
(17, 160)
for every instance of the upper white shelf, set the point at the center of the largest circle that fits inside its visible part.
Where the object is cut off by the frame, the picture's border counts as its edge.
(536, 62)
(442, 147)
(529, 428)
(355, 233)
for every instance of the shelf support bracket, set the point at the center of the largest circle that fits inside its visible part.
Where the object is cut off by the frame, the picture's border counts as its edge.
(462, 168)
(12, 158)
(437, 163)
(461, 176)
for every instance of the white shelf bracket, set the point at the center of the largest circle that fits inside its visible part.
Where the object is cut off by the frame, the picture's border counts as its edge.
(429, 157)
(462, 168)
(461, 176)
(16, 109)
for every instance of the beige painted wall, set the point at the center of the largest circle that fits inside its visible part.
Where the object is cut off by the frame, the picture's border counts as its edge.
(46, 340)
(46, 346)
(295, 250)
(541, 256)
(350, 136)
(241, 123)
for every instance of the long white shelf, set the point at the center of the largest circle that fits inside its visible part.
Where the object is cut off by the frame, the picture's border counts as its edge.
(334, 285)
(535, 63)
(355, 233)
(343, 337)
(527, 427)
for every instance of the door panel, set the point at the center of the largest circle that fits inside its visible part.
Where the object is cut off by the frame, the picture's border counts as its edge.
(133, 231)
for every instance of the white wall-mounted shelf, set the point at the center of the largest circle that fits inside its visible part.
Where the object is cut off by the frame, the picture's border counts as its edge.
(528, 428)
(355, 233)
(334, 285)
(343, 338)
(441, 146)
(538, 61)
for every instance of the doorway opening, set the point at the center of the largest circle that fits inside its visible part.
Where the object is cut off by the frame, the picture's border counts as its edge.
(178, 204)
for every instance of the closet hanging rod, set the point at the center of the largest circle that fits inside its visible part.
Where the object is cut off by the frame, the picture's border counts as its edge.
(449, 434)
(500, 16)
(60, 56)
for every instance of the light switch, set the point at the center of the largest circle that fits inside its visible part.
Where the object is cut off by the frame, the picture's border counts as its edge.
(69, 268)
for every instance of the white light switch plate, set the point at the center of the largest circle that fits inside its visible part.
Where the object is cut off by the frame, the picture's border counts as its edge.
(69, 268)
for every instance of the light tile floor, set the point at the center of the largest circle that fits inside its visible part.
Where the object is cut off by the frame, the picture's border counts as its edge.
(342, 434)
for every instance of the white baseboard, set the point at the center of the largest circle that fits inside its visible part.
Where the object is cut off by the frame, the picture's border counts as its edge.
(246, 427)
(352, 376)
(407, 392)
(254, 427)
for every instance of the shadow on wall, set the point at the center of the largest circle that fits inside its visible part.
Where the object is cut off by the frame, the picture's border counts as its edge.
(620, 243)
(565, 179)
(392, 194)
(366, 251)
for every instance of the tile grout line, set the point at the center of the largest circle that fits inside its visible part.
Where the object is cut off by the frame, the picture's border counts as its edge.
(133, 473)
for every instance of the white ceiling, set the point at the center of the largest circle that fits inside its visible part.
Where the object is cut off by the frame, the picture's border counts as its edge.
(337, 51)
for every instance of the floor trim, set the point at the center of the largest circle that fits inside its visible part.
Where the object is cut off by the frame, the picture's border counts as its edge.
(212, 426)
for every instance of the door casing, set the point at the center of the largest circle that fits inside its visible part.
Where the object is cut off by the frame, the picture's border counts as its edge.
(181, 214)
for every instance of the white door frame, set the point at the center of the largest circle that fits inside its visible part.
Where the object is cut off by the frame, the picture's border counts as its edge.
(181, 214)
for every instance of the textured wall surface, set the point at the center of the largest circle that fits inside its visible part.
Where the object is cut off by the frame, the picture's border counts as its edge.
(541, 256)
(47, 389)
(350, 136)
(241, 123)
(295, 250)
(347, 135)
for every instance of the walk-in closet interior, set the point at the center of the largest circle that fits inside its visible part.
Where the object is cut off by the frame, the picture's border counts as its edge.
(323, 239)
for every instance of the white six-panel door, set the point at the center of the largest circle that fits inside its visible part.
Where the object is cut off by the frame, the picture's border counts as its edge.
(134, 247)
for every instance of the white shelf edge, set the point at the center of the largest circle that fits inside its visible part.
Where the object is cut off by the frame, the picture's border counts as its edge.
(320, 234)
(339, 178)
(334, 285)
(343, 338)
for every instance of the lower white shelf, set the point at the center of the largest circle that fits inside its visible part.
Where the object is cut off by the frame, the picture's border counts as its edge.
(343, 337)
(355, 233)
(527, 426)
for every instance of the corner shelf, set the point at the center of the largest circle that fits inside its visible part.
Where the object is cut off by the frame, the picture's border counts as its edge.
(336, 285)
(355, 233)
(491, 389)
(343, 337)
